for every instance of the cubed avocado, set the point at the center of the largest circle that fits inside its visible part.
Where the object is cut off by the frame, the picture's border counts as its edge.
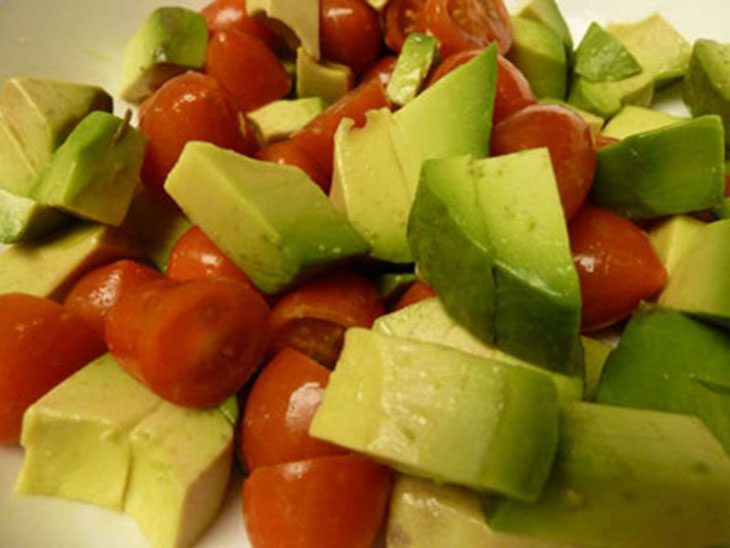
(670, 362)
(170, 41)
(296, 20)
(629, 478)
(594, 122)
(413, 64)
(606, 98)
(497, 226)
(95, 172)
(17, 171)
(632, 120)
(23, 219)
(438, 413)
(291, 229)
(548, 13)
(672, 237)
(539, 52)
(393, 284)
(279, 119)
(596, 353)
(673, 169)
(324, 79)
(601, 57)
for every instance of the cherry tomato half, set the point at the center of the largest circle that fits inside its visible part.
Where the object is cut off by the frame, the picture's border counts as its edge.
(287, 152)
(401, 18)
(382, 70)
(349, 33)
(418, 291)
(231, 14)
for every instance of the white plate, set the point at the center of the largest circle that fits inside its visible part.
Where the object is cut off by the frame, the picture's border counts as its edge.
(83, 40)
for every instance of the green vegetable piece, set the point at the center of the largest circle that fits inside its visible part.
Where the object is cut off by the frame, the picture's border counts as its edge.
(279, 119)
(23, 219)
(601, 57)
(392, 285)
(596, 352)
(674, 169)
(540, 54)
(672, 238)
(548, 13)
(297, 21)
(632, 120)
(324, 79)
(414, 62)
(595, 123)
(605, 99)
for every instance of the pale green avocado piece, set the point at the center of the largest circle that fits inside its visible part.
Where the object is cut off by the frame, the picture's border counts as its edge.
(707, 85)
(548, 13)
(596, 352)
(632, 120)
(438, 413)
(49, 266)
(393, 284)
(602, 57)
(673, 169)
(412, 67)
(452, 117)
(296, 20)
(424, 514)
(722, 211)
(539, 52)
(605, 99)
(324, 79)
(667, 361)
(23, 219)
(698, 284)
(629, 478)
(672, 238)
(428, 321)
(40, 113)
(594, 122)
(497, 226)
(292, 230)
(171, 41)
(279, 119)
(94, 173)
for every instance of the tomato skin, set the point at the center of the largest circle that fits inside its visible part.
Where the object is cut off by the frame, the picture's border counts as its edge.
(279, 410)
(287, 152)
(41, 344)
(601, 141)
(381, 70)
(247, 69)
(231, 14)
(330, 502)
(190, 107)
(401, 18)
(467, 24)
(349, 33)
(617, 266)
(513, 91)
(418, 291)
(568, 139)
(95, 294)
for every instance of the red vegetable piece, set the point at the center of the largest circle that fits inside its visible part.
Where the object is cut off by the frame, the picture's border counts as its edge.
(401, 18)
(287, 152)
(382, 70)
(231, 14)
(349, 33)
(418, 291)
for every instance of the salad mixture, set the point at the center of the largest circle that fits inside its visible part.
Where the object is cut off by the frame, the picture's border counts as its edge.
(375, 257)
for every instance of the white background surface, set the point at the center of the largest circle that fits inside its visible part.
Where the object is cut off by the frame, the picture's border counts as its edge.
(83, 40)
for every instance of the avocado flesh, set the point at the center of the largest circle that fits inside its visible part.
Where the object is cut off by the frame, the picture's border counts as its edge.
(296, 20)
(632, 120)
(628, 478)
(601, 57)
(292, 230)
(323, 79)
(518, 289)
(540, 54)
(95, 172)
(23, 219)
(169, 42)
(435, 412)
(595, 123)
(596, 353)
(393, 284)
(548, 13)
(279, 119)
(672, 238)
(413, 65)
(667, 361)
(674, 169)
(605, 99)
(17, 172)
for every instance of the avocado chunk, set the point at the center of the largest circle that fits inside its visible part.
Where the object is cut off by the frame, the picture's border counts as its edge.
(95, 172)
(324, 79)
(48, 267)
(601, 57)
(393, 284)
(596, 353)
(279, 119)
(429, 322)
(296, 20)
(435, 412)
(37, 114)
(497, 226)
(414, 62)
(672, 238)
(632, 120)
(548, 13)
(667, 361)
(23, 219)
(674, 169)
(594, 122)
(605, 99)
(169, 42)
(707, 85)
(539, 52)
(628, 477)
(292, 230)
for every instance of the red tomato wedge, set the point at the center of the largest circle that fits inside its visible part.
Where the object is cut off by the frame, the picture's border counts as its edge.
(287, 152)
(401, 18)
(41, 344)
(231, 14)
(330, 502)
(381, 70)
(418, 291)
(617, 266)
(349, 33)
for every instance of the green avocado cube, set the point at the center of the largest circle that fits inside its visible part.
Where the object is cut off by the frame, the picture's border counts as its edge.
(632, 120)
(23, 219)
(672, 237)
(320, 78)
(279, 119)
(601, 57)
(435, 412)
(414, 62)
(548, 13)
(539, 52)
(605, 99)
(290, 229)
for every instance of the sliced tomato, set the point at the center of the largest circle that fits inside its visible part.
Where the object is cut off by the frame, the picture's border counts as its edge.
(617, 266)
(603, 141)
(513, 91)
(452, 62)
(349, 33)
(565, 135)
(231, 14)
(418, 291)
(381, 70)
(402, 17)
(41, 344)
(288, 152)
(330, 502)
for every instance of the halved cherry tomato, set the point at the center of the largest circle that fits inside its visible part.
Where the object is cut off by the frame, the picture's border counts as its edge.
(312, 318)
(452, 62)
(97, 292)
(41, 343)
(316, 139)
(418, 291)
(402, 17)
(193, 343)
(349, 33)
(617, 266)
(568, 139)
(231, 14)
(246, 68)
(381, 70)
(191, 107)
(602, 141)
(467, 24)
(287, 152)
(279, 410)
(197, 256)
(330, 502)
